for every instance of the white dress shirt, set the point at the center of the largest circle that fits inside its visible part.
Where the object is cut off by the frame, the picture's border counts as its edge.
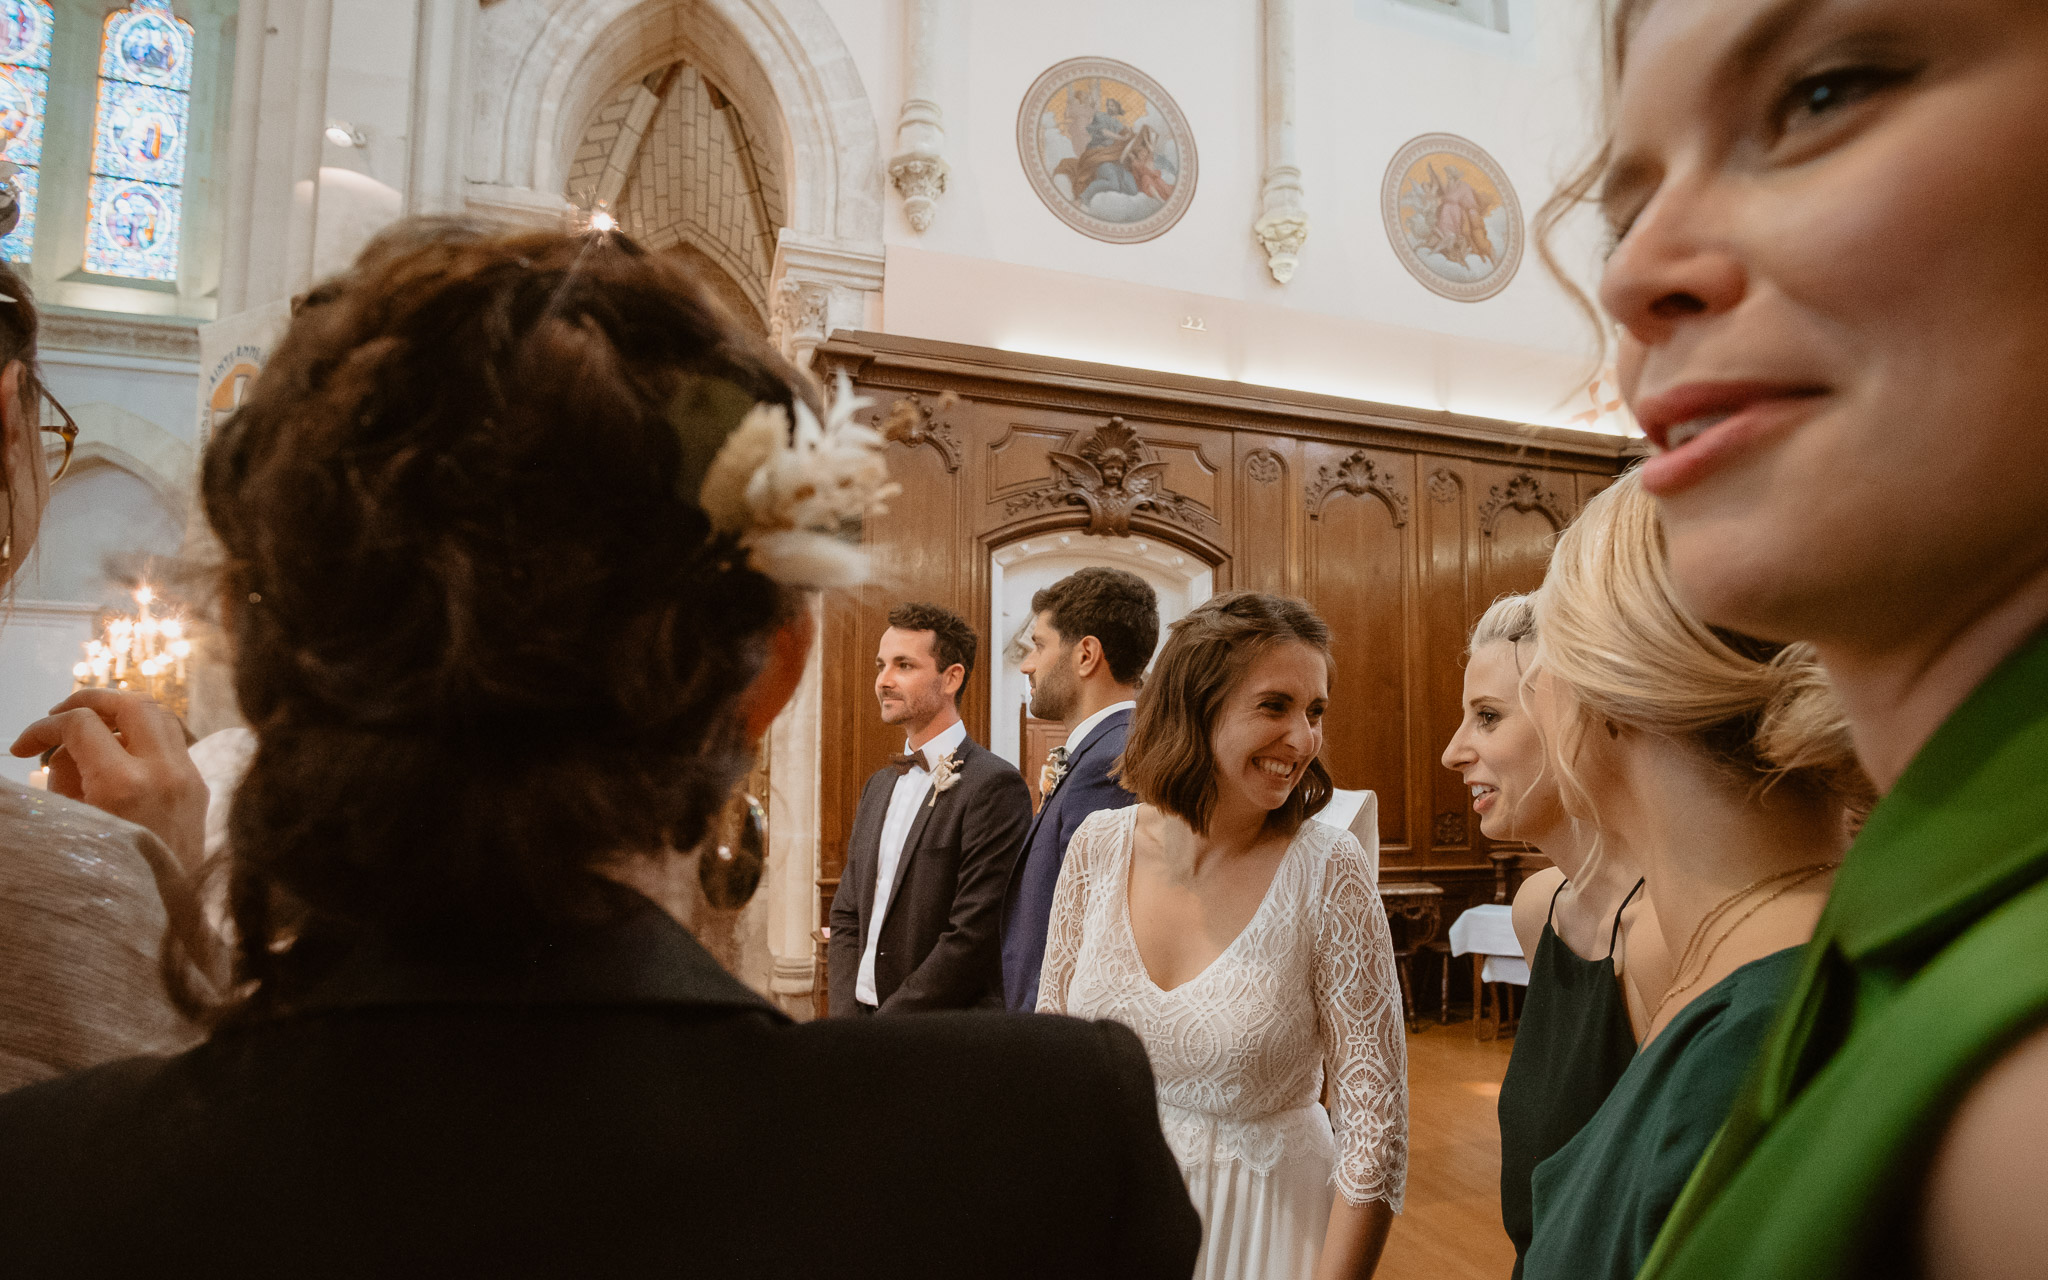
(910, 792)
(1079, 737)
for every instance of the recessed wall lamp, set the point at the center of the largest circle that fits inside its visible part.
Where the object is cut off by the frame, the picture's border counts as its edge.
(600, 220)
(345, 135)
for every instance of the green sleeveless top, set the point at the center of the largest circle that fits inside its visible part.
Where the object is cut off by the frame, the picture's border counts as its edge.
(1601, 1199)
(1925, 968)
(1573, 1043)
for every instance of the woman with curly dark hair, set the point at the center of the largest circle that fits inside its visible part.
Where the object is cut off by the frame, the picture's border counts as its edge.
(518, 536)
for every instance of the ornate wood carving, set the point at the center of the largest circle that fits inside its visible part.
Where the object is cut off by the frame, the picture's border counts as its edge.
(1523, 493)
(1450, 829)
(1443, 485)
(913, 423)
(1110, 476)
(1263, 466)
(1357, 474)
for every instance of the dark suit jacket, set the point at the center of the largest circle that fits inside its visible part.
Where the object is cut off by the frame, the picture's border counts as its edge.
(1086, 789)
(610, 1103)
(940, 944)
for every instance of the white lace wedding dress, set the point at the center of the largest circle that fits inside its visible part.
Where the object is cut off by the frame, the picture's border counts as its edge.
(1240, 1051)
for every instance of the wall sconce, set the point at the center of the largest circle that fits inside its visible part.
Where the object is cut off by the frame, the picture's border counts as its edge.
(346, 135)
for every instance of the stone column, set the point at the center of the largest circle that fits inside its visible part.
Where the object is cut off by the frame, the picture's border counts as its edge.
(790, 883)
(918, 169)
(819, 285)
(1283, 223)
(440, 106)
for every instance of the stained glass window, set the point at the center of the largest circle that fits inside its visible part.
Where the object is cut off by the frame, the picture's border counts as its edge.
(138, 143)
(24, 87)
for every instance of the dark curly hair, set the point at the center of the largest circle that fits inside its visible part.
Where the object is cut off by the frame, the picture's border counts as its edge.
(1117, 607)
(482, 630)
(953, 641)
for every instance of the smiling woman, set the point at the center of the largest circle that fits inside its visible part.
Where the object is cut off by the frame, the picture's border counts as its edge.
(1836, 334)
(1247, 947)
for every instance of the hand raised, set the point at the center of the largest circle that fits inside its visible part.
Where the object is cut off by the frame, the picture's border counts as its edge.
(126, 754)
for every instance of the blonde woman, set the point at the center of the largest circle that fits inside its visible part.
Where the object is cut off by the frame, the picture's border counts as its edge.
(1724, 767)
(1841, 360)
(1582, 923)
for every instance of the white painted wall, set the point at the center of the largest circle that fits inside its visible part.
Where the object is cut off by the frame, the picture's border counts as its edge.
(1371, 75)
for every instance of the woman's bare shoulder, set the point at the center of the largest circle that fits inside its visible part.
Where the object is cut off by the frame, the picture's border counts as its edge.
(1981, 1217)
(1532, 908)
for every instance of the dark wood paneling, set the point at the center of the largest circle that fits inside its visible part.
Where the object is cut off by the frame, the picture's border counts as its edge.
(1358, 571)
(1398, 525)
(1447, 610)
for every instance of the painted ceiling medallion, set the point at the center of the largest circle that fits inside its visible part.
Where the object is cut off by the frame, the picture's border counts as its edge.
(1107, 150)
(1452, 217)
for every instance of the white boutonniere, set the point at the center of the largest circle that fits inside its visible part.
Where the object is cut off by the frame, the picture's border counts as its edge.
(944, 774)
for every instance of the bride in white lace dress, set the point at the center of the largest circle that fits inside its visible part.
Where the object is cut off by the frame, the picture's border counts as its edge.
(1248, 948)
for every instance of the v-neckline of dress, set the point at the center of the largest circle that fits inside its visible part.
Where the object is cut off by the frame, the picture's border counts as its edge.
(1130, 842)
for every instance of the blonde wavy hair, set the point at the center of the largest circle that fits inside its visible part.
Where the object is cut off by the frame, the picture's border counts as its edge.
(1621, 648)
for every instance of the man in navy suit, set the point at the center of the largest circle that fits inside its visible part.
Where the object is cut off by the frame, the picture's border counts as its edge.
(1092, 634)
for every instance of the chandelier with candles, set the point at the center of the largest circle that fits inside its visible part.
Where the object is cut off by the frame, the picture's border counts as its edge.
(143, 653)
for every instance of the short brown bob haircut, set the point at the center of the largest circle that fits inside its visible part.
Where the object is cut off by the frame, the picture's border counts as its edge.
(1168, 761)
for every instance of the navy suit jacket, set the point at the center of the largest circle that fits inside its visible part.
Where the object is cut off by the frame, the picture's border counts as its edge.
(1027, 910)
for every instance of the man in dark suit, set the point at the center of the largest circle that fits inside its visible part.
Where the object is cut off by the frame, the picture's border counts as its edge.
(1092, 633)
(916, 920)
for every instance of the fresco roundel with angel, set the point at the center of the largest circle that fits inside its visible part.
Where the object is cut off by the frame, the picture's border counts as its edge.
(1452, 217)
(1107, 150)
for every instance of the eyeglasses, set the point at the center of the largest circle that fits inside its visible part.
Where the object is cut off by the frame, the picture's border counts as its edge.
(56, 419)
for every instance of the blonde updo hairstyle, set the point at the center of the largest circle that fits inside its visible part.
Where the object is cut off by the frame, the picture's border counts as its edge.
(1622, 649)
(1510, 619)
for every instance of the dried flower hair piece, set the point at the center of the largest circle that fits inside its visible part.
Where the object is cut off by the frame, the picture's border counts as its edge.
(789, 495)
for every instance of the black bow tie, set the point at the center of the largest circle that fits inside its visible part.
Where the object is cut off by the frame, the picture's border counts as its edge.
(903, 764)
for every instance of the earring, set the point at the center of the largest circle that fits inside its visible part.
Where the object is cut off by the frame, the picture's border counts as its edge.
(730, 871)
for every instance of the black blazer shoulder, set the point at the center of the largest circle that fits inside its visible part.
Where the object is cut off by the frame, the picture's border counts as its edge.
(611, 1123)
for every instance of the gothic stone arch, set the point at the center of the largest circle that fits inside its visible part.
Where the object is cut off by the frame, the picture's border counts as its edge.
(544, 66)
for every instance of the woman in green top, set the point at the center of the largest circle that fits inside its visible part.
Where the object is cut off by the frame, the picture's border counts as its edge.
(1833, 295)
(1724, 767)
(1576, 1036)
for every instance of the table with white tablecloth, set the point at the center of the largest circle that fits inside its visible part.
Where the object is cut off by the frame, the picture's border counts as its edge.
(1488, 932)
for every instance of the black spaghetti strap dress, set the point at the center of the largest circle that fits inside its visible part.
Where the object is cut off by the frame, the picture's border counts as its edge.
(1573, 1043)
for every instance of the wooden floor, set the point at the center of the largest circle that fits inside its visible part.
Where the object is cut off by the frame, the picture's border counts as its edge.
(1450, 1228)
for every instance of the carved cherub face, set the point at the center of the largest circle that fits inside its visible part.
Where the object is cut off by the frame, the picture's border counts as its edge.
(1114, 465)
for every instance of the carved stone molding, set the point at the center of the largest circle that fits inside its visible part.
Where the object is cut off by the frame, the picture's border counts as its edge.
(802, 313)
(1443, 485)
(110, 334)
(819, 286)
(1523, 493)
(921, 180)
(1264, 466)
(1357, 474)
(1282, 233)
(1111, 476)
(913, 423)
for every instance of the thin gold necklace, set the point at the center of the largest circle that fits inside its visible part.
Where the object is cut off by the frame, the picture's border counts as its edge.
(1794, 878)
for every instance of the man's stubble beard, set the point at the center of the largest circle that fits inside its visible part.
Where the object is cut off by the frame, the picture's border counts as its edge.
(1052, 695)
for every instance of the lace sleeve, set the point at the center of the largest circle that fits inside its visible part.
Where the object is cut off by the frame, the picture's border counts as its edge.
(1365, 1050)
(1069, 908)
